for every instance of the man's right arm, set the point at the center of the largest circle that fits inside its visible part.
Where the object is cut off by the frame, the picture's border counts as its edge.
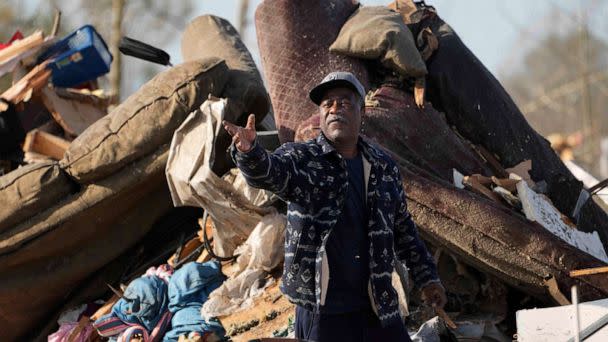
(269, 171)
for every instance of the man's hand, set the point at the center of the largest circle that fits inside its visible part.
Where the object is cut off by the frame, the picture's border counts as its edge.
(242, 137)
(434, 294)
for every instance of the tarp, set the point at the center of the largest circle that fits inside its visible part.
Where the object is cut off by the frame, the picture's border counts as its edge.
(193, 183)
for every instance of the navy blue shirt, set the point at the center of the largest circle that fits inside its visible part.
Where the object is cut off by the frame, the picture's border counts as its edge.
(348, 249)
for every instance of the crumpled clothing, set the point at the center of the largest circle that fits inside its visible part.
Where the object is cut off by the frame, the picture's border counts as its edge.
(193, 283)
(189, 320)
(144, 306)
(144, 302)
(164, 272)
(189, 288)
(65, 329)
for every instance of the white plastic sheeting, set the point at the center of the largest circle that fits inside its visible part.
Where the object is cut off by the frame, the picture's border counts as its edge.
(261, 253)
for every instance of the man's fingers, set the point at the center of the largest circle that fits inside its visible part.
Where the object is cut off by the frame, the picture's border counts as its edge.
(250, 122)
(230, 127)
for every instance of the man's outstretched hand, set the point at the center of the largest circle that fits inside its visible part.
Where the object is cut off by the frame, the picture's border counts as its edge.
(242, 137)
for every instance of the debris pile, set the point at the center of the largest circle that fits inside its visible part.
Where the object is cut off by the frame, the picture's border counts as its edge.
(139, 214)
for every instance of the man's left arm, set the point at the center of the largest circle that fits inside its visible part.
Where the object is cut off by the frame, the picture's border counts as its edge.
(410, 248)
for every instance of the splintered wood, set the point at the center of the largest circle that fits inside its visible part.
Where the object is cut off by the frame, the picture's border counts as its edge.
(21, 46)
(32, 82)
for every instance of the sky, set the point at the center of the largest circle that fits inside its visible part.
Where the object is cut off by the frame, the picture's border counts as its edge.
(497, 31)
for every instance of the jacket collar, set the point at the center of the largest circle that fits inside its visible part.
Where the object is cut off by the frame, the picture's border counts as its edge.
(366, 149)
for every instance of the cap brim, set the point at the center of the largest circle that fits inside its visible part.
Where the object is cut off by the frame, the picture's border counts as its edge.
(316, 94)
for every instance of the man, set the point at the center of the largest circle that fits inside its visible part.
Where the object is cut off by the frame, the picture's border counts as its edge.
(347, 221)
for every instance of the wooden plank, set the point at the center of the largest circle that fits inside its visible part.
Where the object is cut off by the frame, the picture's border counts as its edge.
(72, 115)
(509, 184)
(45, 144)
(589, 271)
(481, 179)
(188, 248)
(473, 184)
(21, 45)
(204, 257)
(82, 323)
(443, 315)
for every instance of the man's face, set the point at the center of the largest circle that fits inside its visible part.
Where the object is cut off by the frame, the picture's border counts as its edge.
(340, 115)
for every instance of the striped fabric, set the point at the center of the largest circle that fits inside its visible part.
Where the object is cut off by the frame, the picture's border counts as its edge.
(312, 178)
(111, 326)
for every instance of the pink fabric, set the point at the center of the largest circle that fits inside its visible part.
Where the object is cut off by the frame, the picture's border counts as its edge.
(66, 329)
(164, 272)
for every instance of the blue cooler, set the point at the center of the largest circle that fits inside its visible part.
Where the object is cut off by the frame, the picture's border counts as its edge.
(82, 56)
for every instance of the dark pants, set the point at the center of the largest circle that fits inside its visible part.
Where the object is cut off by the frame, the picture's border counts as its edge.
(353, 326)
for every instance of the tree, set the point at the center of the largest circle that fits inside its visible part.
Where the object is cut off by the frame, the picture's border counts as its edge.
(549, 88)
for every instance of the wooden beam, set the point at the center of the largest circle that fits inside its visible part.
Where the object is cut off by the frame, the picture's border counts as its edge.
(589, 271)
(45, 144)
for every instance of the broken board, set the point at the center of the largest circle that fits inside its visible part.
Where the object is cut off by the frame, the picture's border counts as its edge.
(537, 208)
(72, 115)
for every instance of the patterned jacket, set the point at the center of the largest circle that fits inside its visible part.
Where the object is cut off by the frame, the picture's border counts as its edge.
(312, 178)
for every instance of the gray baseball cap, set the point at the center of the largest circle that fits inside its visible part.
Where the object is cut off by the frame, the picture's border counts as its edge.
(333, 80)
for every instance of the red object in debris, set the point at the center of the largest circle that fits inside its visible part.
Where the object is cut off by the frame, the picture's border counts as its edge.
(294, 38)
(15, 36)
